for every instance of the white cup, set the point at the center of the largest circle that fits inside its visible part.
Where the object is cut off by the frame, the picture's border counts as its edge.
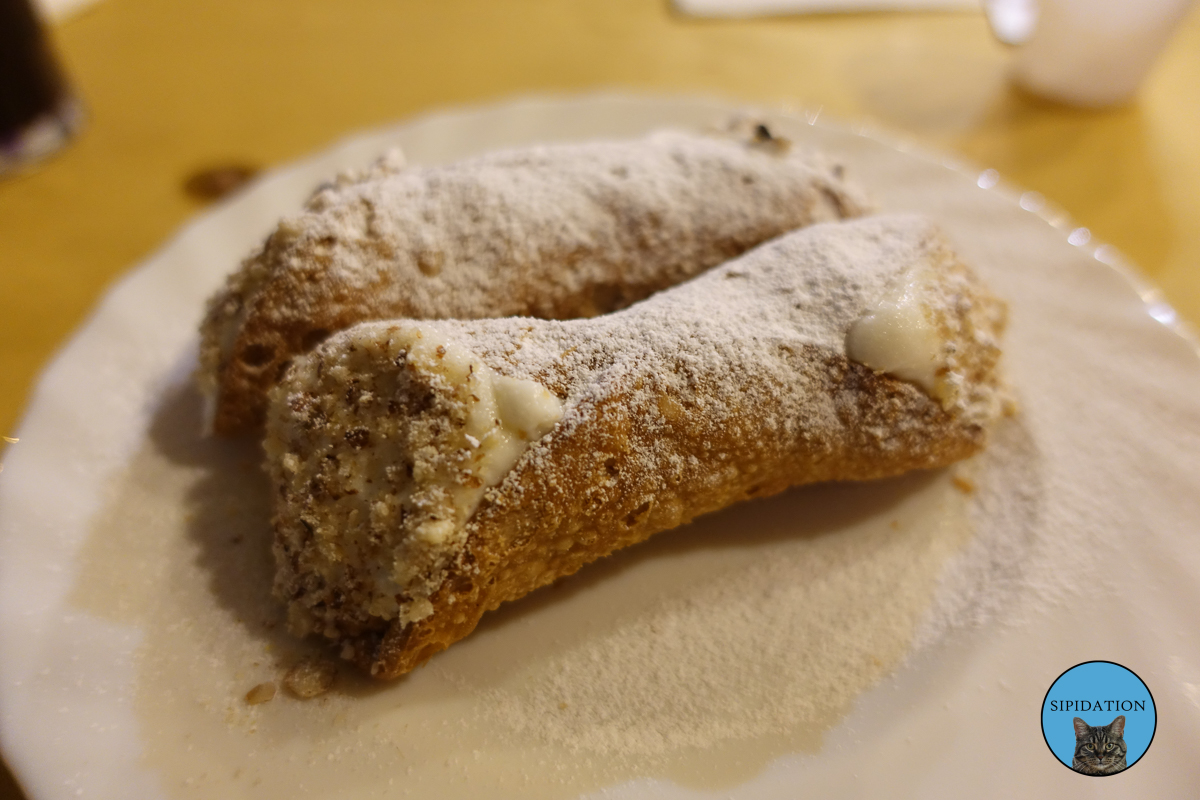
(1084, 52)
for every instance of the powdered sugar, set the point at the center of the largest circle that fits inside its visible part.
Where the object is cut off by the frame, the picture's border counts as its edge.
(780, 645)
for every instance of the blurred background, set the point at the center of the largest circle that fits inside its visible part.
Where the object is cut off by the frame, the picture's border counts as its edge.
(185, 100)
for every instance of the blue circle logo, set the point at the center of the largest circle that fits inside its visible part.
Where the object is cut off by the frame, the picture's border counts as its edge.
(1098, 718)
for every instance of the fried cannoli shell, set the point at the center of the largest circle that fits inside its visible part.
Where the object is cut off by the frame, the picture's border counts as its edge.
(733, 386)
(554, 232)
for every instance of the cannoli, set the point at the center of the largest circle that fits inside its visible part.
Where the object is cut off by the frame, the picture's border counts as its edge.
(554, 232)
(427, 471)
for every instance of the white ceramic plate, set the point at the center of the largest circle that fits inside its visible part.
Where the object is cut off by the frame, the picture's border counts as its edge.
(134, 611)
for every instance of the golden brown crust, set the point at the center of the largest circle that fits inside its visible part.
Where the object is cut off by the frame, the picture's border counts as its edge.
(583, 514)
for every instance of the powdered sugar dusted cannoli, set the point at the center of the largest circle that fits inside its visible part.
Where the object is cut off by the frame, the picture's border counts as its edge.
(427, 471)
(554, 232)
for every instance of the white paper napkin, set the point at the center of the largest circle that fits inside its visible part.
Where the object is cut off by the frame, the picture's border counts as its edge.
(753, 8)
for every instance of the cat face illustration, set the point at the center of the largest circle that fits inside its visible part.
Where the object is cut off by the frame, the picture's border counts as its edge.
(1100, 749)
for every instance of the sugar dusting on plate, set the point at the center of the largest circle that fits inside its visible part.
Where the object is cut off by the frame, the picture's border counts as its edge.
(700, 655)
(782, 642)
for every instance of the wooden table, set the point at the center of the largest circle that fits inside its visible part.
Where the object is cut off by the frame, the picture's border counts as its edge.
(172, 88)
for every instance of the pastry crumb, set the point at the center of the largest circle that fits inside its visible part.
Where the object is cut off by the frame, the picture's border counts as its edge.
(262, 693)
(310, 678)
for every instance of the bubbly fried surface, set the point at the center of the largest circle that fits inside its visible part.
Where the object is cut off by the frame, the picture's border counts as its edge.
(732, 386)
(554, 232)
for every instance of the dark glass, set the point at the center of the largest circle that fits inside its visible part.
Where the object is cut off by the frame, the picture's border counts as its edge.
(37, 110)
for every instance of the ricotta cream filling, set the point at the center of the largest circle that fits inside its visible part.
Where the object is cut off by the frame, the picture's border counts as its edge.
(899, 336)
(502, 417)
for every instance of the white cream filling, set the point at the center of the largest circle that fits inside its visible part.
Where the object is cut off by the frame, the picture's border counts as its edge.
(504, 417)
(898, 335)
